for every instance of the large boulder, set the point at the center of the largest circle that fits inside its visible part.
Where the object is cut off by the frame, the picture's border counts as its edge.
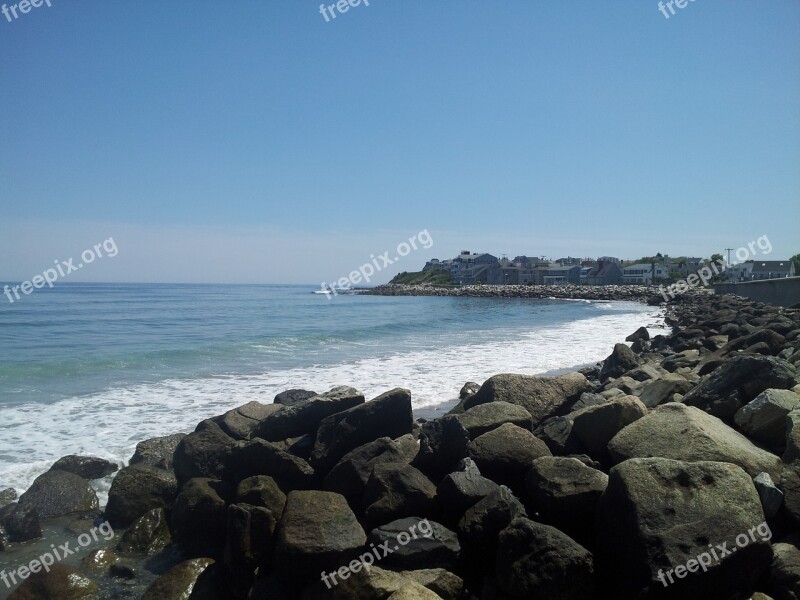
(792, 452)
(290, 397)
(415, 543)
(662, 391)
(157, 452)
(58, 493)
(388, 415)
(60, 582)
(137, 490)
(304, 416)
(646, 541)
(565, 492)
(240, 422)
(257, 457)
(397, 490)
(318, 532)
(86, 467)
(594, 426)
(764, 418)
(738, 381)
(504, 455)
(682, 432)
(189, 579)
(621, 360)
(149, 534)
(538, 561)
(784, 572)
(442, 444)
(461, 490)
(248, 546)
(202, 454)
(198, 517)
(21, 523)
(543, 397)
(261, 490)
(350, 475)
(485, 417)
(482, 523)
(412, 590)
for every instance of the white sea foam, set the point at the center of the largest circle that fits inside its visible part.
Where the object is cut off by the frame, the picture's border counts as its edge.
(110, 423)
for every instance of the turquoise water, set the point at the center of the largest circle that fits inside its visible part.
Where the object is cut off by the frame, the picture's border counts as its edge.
(88, 368)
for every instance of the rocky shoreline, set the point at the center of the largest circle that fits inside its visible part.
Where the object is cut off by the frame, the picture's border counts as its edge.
(638, 293)
(669, 470)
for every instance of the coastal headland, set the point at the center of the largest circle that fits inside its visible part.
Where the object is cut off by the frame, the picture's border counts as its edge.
(671, 469)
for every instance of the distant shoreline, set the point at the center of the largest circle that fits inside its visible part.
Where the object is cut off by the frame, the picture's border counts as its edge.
(637, 293)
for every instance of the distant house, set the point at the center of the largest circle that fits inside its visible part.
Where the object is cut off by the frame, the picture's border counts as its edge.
(772, 269)
(560, 274)
(605, 273)
(469, 268)
(740, 271)
(644, 273)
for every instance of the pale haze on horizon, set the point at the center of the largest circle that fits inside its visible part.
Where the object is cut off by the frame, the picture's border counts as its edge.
(263, 144)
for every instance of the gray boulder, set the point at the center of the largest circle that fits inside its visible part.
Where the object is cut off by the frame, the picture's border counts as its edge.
(395, 491)
(461, 490)
(137, 490)
(157, 452)
(21, 523)
(149, 534)
(771, 497)
(565, 492)
(681, 432)
(594, 426)
(86, 467)
(662, 391)
(621, 360)
(240, 422)
(764, 418)
(644, 539)
(505, 454)
(258, 457)
(318, 532)
(542, 397)
(538, 561)
(304, 416)
(248, 546)
(202, 454)
(482, 523)
(485, 417)
(198, 518)
(58, 493)
(350, 475)
(189, 579)
(388, 415)
(428, 544)
(290, 397)
(60, 581)
(726, 389)
(784, 572)
(442, 444)
(261, 490)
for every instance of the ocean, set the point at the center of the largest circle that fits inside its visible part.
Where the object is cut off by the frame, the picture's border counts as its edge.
(96, 368)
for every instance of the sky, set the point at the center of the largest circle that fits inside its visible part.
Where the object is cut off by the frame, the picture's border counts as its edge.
(256, 142)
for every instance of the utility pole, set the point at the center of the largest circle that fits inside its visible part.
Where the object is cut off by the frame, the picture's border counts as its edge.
(728, 264)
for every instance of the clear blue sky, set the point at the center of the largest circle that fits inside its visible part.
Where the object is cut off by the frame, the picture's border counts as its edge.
(254, 142)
